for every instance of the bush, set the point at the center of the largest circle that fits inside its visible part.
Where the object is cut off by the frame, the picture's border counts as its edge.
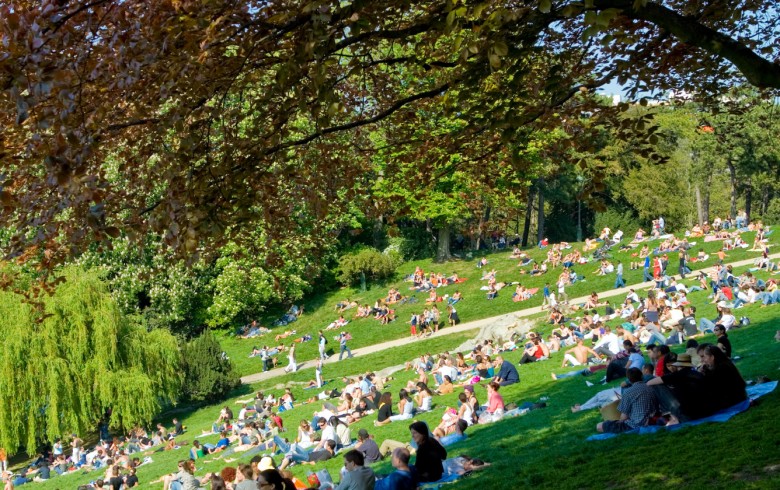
(208, 372)
(615, 219)
(772, 214)
(369, 261)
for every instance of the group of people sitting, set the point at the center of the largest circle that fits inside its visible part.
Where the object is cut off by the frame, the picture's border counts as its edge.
(119, 456)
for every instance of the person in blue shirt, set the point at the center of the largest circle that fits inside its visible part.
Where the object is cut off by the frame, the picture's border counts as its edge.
(457, 436)
(507, 374)
(402, 478)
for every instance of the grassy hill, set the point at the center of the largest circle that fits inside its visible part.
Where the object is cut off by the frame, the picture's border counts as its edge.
(545, 448)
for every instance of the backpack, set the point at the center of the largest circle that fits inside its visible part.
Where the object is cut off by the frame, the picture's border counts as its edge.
(744, 321)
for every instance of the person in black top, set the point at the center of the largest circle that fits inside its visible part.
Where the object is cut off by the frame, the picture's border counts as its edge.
(723, 340)
(131, 480)
(680, 391)
(385, 410)
(723, 385)
(430, 454)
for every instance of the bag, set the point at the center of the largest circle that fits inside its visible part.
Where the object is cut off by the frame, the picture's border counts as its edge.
(314, 481)
(610, 411)
(744, 321)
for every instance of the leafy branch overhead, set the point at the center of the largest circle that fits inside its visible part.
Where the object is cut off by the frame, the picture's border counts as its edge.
(193, 120)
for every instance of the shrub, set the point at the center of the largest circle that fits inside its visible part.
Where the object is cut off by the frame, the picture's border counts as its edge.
(617, 218)
(368, 261)
(208, 372)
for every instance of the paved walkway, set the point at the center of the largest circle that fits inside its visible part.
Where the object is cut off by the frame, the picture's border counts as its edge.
(466, 326)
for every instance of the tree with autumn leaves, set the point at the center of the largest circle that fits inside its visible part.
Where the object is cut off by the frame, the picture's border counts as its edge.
(251, 127)
(194, 119)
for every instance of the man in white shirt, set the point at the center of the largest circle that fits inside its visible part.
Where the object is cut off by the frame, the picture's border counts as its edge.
(608, 345)
(632, 296)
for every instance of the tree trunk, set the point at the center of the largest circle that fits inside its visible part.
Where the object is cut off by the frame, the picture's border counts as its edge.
(540, 215)
(378, 232)
(699, 206)
(529, 209)
(443, 245)
(480, 228)
(733, 179)
(766, 196)
(748, 199)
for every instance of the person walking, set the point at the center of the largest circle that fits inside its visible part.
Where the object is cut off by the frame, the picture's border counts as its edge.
(343, 337)
(619, 283)
(292, 365)
(323, 342)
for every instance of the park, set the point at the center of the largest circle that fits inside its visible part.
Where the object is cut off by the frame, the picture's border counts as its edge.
(346, 244)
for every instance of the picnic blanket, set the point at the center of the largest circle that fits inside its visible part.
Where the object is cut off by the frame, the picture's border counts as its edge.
(753, 392)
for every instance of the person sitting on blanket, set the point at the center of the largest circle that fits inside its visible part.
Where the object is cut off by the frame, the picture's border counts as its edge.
(402, 478)
(680, 393)
(430, 453)
(723, 384)
(637, 406)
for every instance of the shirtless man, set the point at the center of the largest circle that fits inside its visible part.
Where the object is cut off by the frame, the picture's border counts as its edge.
(579, 354)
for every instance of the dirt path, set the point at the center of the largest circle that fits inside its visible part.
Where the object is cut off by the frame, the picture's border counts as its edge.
(466, 326)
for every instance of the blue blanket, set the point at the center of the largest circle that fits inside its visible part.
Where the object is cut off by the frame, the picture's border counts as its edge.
(721, 416)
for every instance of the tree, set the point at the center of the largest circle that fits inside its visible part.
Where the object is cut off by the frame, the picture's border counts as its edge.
(192, 119)
(62, 373)
(208, 373)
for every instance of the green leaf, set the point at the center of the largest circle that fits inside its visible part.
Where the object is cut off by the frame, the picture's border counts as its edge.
(545, 6)
(500, 48)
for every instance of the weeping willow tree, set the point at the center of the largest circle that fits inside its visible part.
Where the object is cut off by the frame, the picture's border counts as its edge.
(61, 375)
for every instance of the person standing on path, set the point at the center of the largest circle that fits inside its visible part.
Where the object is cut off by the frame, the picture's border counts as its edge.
(292, 366)
(683, 267)
(619, 283)
(343, 337)
(323, 342)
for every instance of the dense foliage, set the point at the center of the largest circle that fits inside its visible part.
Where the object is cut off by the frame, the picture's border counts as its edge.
(208, 373)
(61, 374)
(366, 263)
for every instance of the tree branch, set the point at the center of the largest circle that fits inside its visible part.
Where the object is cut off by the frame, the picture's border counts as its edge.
(757, 70)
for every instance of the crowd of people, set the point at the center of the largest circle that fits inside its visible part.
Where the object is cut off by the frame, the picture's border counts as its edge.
(631, 342)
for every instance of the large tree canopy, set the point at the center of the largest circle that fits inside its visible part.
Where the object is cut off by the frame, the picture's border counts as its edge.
(192, 118)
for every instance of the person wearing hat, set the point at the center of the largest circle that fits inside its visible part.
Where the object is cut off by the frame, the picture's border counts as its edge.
(680, 393)
(368, 447)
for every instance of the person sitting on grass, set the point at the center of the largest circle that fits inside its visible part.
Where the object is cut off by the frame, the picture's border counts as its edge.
(507, 372)
(328, 451)
(579, 355)
(357, 475)
(637, 406)
(495, 408)
(402, 478)
(535, 350)
(680, 392)
(430, 454)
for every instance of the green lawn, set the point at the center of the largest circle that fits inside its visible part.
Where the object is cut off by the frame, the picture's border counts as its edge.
(545, 448)
(367, 331)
